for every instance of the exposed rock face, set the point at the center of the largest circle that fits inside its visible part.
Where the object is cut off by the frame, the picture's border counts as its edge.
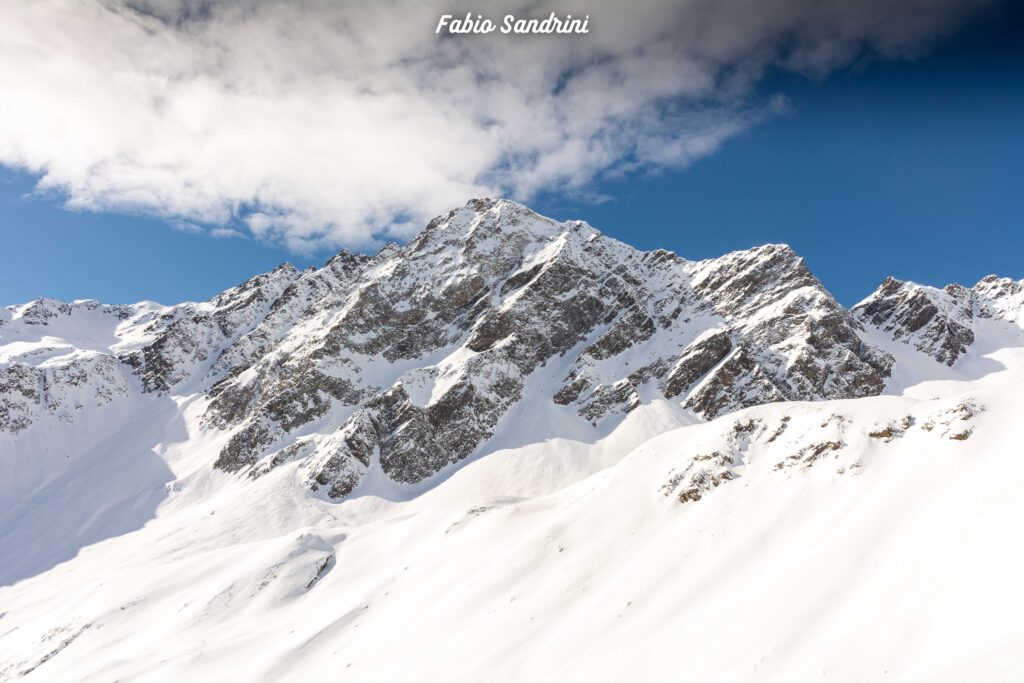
(188, 336)
(940, 322)
(412, 359)
(19, 396)
(59, 391)
(42, 310)
(935, 322)
(795, 340)
(757, 326)
(45, 377)
(1000, 298)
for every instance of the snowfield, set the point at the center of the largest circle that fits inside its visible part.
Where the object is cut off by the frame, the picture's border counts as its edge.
(719, 534)
(891, 557)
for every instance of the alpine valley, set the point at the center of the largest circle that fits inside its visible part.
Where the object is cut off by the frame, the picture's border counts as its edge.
(516, 449)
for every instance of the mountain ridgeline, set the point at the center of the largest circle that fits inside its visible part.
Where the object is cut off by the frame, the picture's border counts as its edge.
(409, 361)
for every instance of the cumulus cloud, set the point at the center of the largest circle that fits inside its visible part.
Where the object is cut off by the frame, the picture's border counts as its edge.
(326, 123)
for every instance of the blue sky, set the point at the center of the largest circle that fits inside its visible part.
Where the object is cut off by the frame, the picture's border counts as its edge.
(905, 168)
(911, 169)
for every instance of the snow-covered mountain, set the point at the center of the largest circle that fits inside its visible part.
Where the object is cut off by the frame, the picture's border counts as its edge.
(513, 449)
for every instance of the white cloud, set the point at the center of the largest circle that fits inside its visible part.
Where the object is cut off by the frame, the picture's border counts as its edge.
(225, 233)
(324, 123)
(186, 226)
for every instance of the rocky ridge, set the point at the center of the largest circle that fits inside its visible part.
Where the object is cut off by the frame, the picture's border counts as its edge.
(411, 360)
(940, 323)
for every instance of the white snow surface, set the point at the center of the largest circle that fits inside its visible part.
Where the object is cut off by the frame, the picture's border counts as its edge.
(889, 557)
(846, 540)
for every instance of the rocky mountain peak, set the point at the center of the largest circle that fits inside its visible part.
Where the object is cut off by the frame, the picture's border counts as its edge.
(492, 229)
(430, 347)
(411, 360)
(941, 323)
(936, 322)
(1000, 298)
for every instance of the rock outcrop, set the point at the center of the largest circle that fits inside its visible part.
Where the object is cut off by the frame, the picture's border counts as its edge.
(940, 323)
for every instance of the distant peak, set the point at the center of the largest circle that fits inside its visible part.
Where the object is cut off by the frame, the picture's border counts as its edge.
(389, 249)
(890, 285)
(998, 283)
(483, 204)
(485, 219)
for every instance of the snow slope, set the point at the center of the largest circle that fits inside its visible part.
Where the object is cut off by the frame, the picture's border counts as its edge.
(850, 539)
(891, 556)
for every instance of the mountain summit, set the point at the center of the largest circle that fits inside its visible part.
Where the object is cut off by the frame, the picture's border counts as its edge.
(409, 361)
